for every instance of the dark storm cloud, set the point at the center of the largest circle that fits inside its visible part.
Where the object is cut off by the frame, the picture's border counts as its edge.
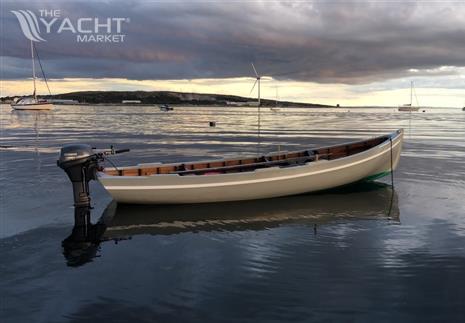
(323, 41)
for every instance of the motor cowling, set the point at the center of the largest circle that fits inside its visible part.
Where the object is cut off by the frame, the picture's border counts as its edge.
(80, 163)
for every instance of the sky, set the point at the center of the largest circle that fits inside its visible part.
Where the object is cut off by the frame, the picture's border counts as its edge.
(330, 52)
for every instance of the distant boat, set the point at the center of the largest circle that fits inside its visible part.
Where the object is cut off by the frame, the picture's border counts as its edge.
(165, 107)
(409, 107)
(32, 103)
(235, 179)
(275, 108)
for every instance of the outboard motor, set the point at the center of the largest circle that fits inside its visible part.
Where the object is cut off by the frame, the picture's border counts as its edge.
(80, 162)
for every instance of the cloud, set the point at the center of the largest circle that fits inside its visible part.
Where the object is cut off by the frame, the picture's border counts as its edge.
(351, 42)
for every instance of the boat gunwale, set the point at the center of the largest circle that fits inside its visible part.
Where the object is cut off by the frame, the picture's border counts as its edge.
(387, 139)
(172, 186)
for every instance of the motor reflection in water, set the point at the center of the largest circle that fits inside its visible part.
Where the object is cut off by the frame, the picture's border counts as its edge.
(121, 222)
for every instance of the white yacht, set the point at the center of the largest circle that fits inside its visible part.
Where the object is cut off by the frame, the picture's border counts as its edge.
(32, 102)
(409, 107)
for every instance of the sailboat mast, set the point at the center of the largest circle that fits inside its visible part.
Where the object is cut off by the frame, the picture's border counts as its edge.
(33, 71)
(411, 93)
(259, 115)
(258, 91)
(276, 96)
(258, 107)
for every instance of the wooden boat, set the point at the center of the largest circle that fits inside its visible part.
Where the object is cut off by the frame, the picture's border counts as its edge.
(248, 178)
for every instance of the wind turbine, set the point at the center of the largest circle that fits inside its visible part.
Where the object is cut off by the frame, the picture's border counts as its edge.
(257, 80)
(258, 77)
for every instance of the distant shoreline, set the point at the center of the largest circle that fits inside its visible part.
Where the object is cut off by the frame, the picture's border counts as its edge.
(156, 98)
(341, 108)
(147, 98)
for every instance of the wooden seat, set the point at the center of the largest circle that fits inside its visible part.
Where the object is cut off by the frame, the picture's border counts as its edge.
(287, 159)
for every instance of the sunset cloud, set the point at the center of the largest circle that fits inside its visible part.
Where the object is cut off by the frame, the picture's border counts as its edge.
(321, 42)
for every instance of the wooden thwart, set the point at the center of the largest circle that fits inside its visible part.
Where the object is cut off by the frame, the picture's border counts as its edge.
(249, 164)
(238, 168)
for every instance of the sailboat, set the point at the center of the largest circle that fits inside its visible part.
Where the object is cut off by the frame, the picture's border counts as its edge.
(409, 107)
(32, 103)
(275, 108)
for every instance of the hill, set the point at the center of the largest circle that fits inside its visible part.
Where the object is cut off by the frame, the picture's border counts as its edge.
(168, 97)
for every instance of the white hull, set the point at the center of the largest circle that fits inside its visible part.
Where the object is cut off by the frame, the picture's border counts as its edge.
(258, 184)
(35, 106)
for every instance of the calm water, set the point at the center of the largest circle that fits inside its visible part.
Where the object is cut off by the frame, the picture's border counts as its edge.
(366, 253)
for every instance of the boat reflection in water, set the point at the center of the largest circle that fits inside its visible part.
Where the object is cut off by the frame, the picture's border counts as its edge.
(121, 221)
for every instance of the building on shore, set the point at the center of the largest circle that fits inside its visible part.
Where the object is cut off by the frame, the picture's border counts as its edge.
(63, 101)
(242, 104)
